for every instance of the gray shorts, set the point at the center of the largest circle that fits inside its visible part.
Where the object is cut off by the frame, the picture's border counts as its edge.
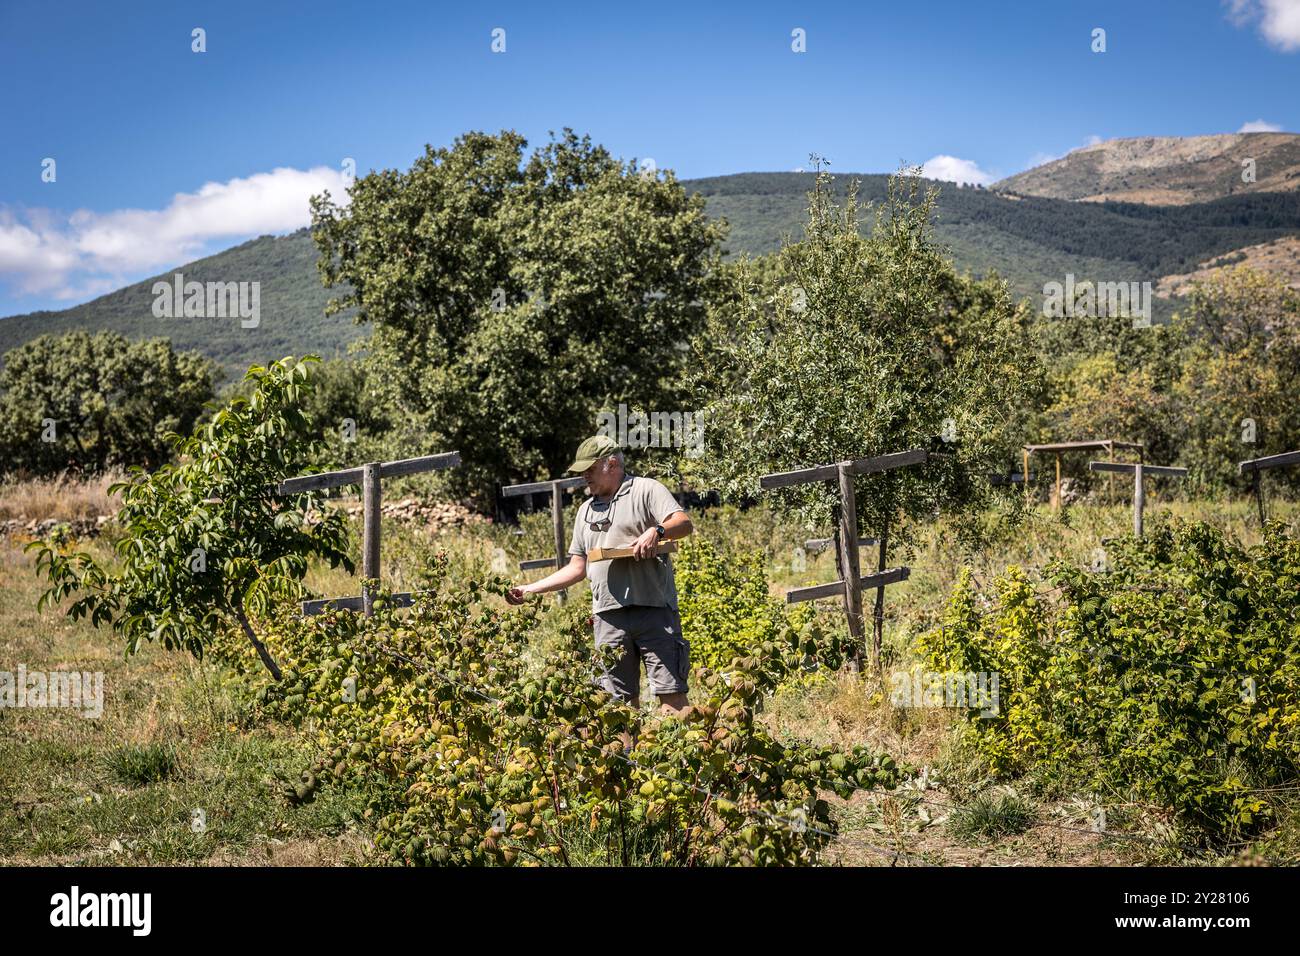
(649, 634)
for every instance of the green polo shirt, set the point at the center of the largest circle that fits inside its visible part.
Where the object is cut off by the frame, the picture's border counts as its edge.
(638, 505)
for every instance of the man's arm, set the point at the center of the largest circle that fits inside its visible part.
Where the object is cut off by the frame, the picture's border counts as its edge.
(558, 580)
(676, 525)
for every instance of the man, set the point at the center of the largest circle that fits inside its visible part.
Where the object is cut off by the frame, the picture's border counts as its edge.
(633, 600)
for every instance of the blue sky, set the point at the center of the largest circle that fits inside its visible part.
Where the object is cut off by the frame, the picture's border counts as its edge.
(163, 154)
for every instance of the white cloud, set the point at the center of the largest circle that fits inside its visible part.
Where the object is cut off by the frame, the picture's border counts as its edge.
(953, 170)
(1279, 20)
(1259, 126)
(87, 253)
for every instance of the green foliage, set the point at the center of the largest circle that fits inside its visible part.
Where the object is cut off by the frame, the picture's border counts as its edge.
(724, 602)
(138, 764)
(991, 815)
(727, 612)
(1173, 676)
(1186, 389)
(1243, 363)
(206, 539)
(113, 402)
(513, 298)
(864, 346)
(476, 755)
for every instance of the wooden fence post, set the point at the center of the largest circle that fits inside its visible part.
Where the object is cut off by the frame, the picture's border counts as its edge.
(849, 564)
(372, 516)
(557, 519)
(1139, 500)
(1139, 472)
(851, 583)
(369, 477)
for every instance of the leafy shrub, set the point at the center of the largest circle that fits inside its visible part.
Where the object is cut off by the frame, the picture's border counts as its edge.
(476, 756)
(1173, 676)
(727, 612)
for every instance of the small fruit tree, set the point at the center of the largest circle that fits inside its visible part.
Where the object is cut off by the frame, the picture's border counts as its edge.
(205, 537)
(478, 745)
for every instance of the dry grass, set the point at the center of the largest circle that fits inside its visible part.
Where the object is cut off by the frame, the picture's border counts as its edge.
(64, 497)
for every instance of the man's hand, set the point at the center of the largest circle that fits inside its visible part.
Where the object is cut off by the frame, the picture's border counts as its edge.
(644, 546)
(516, 596)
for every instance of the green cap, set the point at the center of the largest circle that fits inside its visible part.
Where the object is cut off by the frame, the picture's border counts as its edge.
(591, 451)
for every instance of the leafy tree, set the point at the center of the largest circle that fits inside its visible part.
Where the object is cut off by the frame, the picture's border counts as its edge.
(861, 346)
(112, 401)
(1243, 363)
(205, 540)
(511, 299)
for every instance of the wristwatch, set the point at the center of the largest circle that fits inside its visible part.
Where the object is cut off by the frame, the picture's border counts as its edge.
(662, 532)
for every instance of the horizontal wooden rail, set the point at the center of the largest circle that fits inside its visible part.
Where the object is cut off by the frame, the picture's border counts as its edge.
(403, 599)
(1270, 461)
(1128, 469)
(836, 588)
(353, 476)
(862, 466)
(537, 487)
(535, 563)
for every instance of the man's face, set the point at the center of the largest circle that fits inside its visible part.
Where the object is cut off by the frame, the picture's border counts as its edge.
(602, 478)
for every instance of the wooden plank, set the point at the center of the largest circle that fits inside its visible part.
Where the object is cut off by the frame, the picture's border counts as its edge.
(1128, 469)
(1105, 444)
(534, 563)
(860, 466)
(836, 588)
(557, 518)
(849, 563)
(608, 554)
(415, 466)
(1139, 500)
(537, 487)
(326, 479)
(800, 477)
(402, 599)
(371, 491)
(898, 459)
(354, 476)
(1270, 461)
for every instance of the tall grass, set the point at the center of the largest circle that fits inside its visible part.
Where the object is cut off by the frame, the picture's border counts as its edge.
(64, 496)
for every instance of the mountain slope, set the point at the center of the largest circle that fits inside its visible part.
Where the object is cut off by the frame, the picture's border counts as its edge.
(1027, 240)
(1165, 170)
(292, 309)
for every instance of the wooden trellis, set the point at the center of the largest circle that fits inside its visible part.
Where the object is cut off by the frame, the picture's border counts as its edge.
(370, 477)
(556, 488)
(1108, 445)
(1139, 472)
(1257, 467)
(852, 582)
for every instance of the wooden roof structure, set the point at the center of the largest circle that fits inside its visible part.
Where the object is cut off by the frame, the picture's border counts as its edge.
(1108, 445)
